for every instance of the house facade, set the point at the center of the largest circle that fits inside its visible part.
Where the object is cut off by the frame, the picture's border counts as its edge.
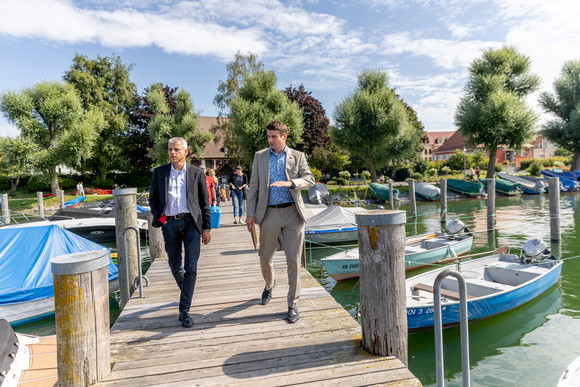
(432, 141)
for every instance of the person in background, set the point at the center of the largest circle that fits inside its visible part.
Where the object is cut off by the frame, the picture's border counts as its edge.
(477, 171)
(238, 182)
(180, 206)
(275, 203)
(471, 173)
(210, 188)
(211, 173)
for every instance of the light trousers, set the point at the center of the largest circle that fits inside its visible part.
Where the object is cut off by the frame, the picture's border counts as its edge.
(288, 223)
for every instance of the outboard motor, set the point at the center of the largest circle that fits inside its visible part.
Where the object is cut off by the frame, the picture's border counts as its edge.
(455, 227)
(534, 250)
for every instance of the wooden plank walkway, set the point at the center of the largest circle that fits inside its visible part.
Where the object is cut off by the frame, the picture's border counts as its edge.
(235, 340)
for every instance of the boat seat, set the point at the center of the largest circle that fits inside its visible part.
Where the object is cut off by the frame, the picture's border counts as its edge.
(444, 292)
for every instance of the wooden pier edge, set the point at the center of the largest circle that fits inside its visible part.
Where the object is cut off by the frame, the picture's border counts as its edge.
(235, 340)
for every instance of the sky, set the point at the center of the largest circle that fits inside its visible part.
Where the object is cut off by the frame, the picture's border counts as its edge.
(426, 46)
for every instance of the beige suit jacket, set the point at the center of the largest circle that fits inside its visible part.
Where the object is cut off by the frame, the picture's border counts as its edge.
(297, 171)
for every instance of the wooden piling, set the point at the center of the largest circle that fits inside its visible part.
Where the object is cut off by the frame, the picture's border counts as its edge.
(490, 204)
(156, 241)
(126, 216)
(81, 300)
(391, 198)
(40, 202)
(412, 198)
(61, 197)
(5, 209)
(443, 199)
(381, 235)
(554, 188)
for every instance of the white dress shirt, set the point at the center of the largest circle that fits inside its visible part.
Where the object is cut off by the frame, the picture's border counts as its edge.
(177, 194)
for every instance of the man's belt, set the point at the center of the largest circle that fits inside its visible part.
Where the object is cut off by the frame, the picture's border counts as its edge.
(281, 205)
(179, 216)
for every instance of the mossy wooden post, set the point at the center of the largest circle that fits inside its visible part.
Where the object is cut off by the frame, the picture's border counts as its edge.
(81, 302)
(5, 209)
(490, 204)
(412, 198)
(443, 199)
(61, 197)
(391, 198)
(126, 216)
(40, 202)
(554, 188)
(156, 241)
(381, 235)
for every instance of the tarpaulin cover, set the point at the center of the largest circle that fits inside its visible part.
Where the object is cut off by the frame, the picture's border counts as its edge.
(25, 255)
(334, 217)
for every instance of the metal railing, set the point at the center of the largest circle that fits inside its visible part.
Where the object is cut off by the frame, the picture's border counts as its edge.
(140, 277)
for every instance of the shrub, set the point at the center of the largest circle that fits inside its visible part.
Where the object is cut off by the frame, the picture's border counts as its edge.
(341, 181)
(417, 176)
(103, 183)
(366, 175)
(525, 164)
(344, 174)
(498, 168)
(402, 174)
(138, 180)
(558, 164)
(36, 184)
(66, 183)
(421, 166)
(446, 170)
(431, 172)
(332, 182)
(316, 173)
(4, 184)
(506, 163)
(534, 168)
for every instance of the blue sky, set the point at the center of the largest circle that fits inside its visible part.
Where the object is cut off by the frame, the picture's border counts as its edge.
(425, 45)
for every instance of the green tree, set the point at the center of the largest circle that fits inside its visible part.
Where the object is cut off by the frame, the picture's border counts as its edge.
(179, 123)
(330, 159)
(242, 67)
(18, 155)
(374, 124)
(564, 130)
(51, 116)
(493, 110)
(257, 104)
(314, 116)
(104, 85)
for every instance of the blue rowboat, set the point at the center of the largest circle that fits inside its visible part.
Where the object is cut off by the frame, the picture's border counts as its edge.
(419, 251)
(75, 202)
(495, 284)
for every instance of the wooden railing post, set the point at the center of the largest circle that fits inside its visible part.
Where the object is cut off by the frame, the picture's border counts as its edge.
(391, 196)
(554, 188)
(381, 235)
(40, 202)
(5, 209)
(156, 241)
(443, 199)
(61, 197)
(412, 198)
(81, 301)
(126, 216)
(490, 204)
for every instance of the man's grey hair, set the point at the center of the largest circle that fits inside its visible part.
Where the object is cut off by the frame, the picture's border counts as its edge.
(180, 140)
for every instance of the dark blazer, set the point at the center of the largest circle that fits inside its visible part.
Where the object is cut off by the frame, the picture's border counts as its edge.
(197, 197)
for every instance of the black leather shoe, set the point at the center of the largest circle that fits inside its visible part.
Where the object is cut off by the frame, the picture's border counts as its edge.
(186, 320)
(293, 315)
(266, 296)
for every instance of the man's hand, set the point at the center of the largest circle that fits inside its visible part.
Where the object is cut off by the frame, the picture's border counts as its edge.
(287, 184)
(205, 237)
(250, 222)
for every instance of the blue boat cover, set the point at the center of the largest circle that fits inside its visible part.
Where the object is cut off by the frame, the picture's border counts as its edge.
(568, 175)
(74, 201)
(25, 255)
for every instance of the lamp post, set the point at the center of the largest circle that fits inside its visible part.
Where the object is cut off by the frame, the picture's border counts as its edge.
(464, 172)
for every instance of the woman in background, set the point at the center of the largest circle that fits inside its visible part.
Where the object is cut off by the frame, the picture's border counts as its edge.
(211, 173)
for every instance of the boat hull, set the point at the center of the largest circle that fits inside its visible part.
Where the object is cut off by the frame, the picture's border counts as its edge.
(332, 236)
(345, 265)
(422, 317)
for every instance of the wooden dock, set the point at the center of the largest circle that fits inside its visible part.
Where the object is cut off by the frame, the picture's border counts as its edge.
(235, 340)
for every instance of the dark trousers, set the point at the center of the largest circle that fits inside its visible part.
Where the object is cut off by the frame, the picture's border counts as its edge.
(180, 235)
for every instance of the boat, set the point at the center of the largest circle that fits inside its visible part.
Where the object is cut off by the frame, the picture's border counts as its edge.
(26, 359)
(566, 175)
(318, 193)
(75, 202)
(495, 284)
(427, 191)
(419, 251)
(335, 224)
(571, 375)
(528, 186)
(26, 281)
(567, 184)
(504, 187)
(467, 188)
(382, 191)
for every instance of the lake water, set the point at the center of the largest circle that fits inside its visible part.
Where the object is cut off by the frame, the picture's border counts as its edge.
(528, 346)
